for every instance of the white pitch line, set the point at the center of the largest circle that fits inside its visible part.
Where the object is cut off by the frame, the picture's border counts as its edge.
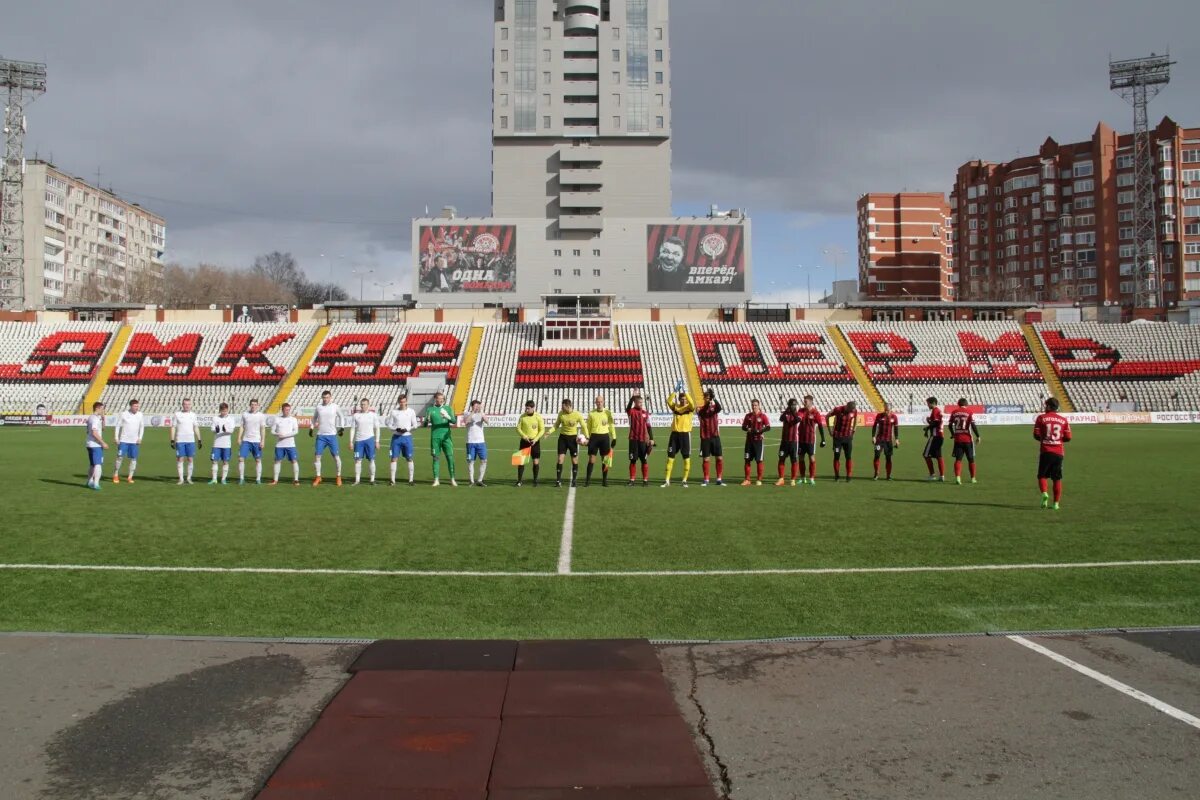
(417, 573)
(1112, 683)
(568, 534)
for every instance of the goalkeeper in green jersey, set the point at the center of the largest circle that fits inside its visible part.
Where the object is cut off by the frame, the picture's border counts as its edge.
(440, 419)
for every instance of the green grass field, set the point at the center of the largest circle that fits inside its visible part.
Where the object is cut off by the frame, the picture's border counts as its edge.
(1130, 496)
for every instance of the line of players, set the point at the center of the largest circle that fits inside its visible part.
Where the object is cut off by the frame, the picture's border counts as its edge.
(801, 423)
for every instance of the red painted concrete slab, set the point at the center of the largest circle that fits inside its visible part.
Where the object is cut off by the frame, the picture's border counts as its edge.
(421, 693)
(612, 752)
(369, 794)
(436, 654)
(564, 693)
(593, 793)
(391, 753)
(588, 654)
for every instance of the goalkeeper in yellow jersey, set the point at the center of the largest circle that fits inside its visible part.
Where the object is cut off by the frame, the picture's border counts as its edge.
(601, 439)
(571, 429)
(682, 410)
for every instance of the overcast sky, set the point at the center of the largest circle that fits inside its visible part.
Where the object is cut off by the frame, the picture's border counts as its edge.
(323, 128)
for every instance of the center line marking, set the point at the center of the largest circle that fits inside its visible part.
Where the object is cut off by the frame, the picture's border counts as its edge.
(568, 534)
(1112, 683)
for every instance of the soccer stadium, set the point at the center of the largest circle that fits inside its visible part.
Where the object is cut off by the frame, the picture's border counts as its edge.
(623, 532)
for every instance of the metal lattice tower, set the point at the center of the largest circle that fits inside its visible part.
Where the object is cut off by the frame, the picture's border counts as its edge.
(24, 81)
(1138, 81)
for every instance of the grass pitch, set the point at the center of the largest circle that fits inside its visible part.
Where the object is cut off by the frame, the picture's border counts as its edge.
(1129, 496)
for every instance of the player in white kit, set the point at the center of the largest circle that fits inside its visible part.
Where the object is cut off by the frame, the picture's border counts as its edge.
(285, 429)
(131, 426)
(250, 441)
(326, 425)
(366, 439)
(402, 420)
(474, 420)
(222, 446)
(185, 440)
(95, 445)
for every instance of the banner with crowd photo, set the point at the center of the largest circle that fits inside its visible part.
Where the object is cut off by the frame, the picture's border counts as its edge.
(250, 312)
(695, 257)
(467, 258)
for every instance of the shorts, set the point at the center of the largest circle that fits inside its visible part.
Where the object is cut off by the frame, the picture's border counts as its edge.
(885, 448)
(329, 443)
(1050, 466)
(364, 448)
(933, 446)
(808, 449)
(843, 445)
(600, 444)
(476, 451)
(535, 448)
(964, 450)
(568, 444)
(639, 451)
(126, 449)
(251, 449)
(95, 456)
(754, 451)
(680, 444)
(185, 449)
(711, 448)
(402, 446)
(789, 450)
(221, 454)
(286, 452)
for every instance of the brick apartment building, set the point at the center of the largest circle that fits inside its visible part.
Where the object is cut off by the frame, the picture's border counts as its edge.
(904, 247)
(1057, 226)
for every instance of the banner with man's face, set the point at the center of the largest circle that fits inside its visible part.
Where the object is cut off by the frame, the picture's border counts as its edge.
(468, 258)
(249, 312)
(695, 258)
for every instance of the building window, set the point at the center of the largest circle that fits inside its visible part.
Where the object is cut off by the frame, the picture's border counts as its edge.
(596, 253)
(546, 123)
(1125, 179)
(504, 78)
(576, 272)
(660, 123)
(545, 55)
(616, 55)
(1124, 198)
(504, 34)
(616, 32)
(545, 33)
(595, 273)
(1082, 169)
(558, 253)
(1085, 186)
(1125, 162)
(504, 55)
(546, 78)
(616, 98)
(503, 123)
(504, 100)
(616, 77)
(658, 56)
(558, 273)
(658, 101)
(576, 253)
(658, 78)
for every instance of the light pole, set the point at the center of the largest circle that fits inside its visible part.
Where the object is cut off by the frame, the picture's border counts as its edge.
(836, 253)
(383, 286)
(362, 274)
(808, 285)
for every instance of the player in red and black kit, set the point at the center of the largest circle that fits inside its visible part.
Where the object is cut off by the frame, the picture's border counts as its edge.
(962, 426)
(843, 421)
(886, 434)
(934, 439)
(755, 424)
(641, 438)
(1052, 430)
(710, 436)
(789, 443)
(810, 424)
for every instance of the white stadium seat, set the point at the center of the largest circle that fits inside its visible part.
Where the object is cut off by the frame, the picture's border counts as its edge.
(50, 365)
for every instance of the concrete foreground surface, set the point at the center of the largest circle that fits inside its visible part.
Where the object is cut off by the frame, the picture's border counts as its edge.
(955, 717)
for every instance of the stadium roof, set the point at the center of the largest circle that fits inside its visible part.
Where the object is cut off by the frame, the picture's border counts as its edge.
(938, 303)
(98, 307)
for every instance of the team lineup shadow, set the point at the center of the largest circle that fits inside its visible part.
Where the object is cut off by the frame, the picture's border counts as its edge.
(81, 482)
(959, 503)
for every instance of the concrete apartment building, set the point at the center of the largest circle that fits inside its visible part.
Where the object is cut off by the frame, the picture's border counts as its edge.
(84, 244)
(904, 247)
(1057, 226)
(581, 173)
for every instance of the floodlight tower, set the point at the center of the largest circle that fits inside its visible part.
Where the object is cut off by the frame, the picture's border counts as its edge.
(24, 81)
(1138, 81)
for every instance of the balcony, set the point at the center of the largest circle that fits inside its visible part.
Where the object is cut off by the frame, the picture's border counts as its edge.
(580, 131)
(588, 222)
(582, 88)
(580, 66)
(571, 199)
(579, 177)
(581, 111)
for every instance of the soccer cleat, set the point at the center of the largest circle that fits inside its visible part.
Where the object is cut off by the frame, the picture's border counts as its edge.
(683, 485)
(116, 479)
(189, 481)
(95, 487)
(645, 484)
(213, 482)
(453, 482)
(129, 479)
(274, 483)
(1056, 506)
(781, 482)
(958, 480)
(481, 484)
(317, 481)
(889, 477)
(436, 482)
(258, 481)
(224, 482)
(793, 483)
(758, 483)
(666, 485)
(941, 478)
(339, 480)
(392, 483)
(412, 483)
(518, 484)
(356, 483)
(295, 483)
(875, 478)
(746, 482)
(931, 478)
(241, 482)
(558, 484)
(631, 483)
(703, 484)
(974, 480)
(1045, 500)
(720, 482)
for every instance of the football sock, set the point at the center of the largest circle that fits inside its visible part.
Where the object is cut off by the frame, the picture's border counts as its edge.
(117, 467)
(958, 469)
(705, 465)
(876, 465)
(392, 471)
(837, 469)
(632, 470)
(645, 472)
(471, 471)
(687, 468)
(929, 466)
(520, 473)
(972, 465)
(747, 470)
(337, 463)
(483, 469)
(942, 467)
(760, 470)
(277, 467)
(591, 467)
(179, 468)
(889, 468)
(241, 469)
(191, 468)
(94, 476)
(536, 469)
(437, 468)
(1058, 491)
(372, 469)
(132, 467)
(224, 470)
(317, 468)
(558, 472)
(795, 470)
(670, 466)
(295, 470)
(574, 471)
(1042, 487)
(720, 468)
(780, 469)
(412, 467)
(450, 463)
(357, 469)
(849, 467)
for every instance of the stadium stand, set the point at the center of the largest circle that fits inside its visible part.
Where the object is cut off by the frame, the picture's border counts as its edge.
(49, 365)
(1155, 365)
(662, 362)
(772, 361)
(494, 382)
(165, 362)
(378, 361)
(989, 363)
